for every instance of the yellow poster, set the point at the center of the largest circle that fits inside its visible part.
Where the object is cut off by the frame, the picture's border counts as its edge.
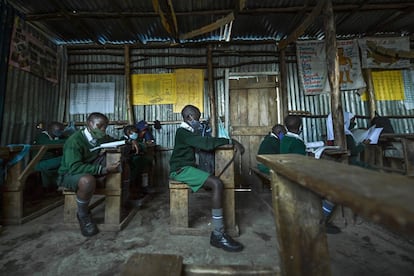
(151, 89)
(388, 85)
(190, 88)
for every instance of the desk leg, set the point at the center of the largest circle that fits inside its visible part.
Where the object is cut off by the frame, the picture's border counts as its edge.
(303, 247)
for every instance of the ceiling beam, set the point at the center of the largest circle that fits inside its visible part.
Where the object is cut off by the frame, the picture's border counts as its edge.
(303, 26)
(209, 28)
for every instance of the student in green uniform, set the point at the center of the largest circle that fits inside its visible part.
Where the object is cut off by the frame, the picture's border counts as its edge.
(293, 143)
(183, 168)
(50, 161)
(81, 169)
(271, 144)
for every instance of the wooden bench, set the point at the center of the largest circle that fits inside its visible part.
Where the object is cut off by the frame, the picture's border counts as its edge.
(112, 195)
(179, 199)
(265, 178)
(13, 201)
(298, 184)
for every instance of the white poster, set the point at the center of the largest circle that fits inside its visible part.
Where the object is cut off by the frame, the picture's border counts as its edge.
(312, 66)
(86, 98)
(372, 52)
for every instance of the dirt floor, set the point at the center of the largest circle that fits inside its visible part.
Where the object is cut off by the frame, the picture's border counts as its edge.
(44, 247)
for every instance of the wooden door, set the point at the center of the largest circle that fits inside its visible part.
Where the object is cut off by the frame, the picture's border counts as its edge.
(253, 109)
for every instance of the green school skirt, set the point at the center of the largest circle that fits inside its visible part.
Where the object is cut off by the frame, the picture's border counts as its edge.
(191, 176)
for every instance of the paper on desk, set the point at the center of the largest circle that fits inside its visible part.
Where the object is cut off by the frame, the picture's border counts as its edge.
(372, 133)
(318, 152)
(109, 145)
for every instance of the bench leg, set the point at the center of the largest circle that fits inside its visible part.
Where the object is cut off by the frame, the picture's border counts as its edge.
(179, 207)
(70, 208)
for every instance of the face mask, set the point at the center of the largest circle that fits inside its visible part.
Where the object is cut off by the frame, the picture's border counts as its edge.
(97, 133)
(133, 136)
(352, 125)
(57, 133)
(280, 135)
(196, 125)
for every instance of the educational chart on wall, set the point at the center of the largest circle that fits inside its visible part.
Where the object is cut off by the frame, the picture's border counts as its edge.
(311, 60)
(91, 97)
(373, 52)
(30, 51)
(313, 72)
(190, 88)
(151, 89)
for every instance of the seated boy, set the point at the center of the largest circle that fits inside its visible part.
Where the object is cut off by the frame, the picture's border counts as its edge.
(81, 168)
(50, 161)
(293, 143)
(183, 168)
(271, 144)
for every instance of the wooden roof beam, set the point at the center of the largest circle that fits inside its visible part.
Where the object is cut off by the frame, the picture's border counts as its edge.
(209, 28)
(302, 27)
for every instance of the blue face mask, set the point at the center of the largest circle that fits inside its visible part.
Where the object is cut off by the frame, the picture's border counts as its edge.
(57, 133)
(280, 135)
(196, 125)
(133, 136)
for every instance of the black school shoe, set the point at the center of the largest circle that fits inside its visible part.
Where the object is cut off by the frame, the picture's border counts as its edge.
(332, 229)
(87, 226)
(225, 242)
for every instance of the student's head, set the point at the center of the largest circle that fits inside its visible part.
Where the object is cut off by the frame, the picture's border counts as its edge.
(279, 130)
(191, 114)
(131, 132)
(55, 129)
(293, 123)
(97, 124)
(142, 127)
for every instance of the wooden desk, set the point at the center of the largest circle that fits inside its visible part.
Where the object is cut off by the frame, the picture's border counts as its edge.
(404, 164)
(15, 184)
(299, 182)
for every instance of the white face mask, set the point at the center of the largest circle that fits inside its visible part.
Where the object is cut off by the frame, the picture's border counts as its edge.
(133, 136)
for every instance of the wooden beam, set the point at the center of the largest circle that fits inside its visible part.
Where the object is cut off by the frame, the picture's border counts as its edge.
(302, 27)
(333, 76)
(209, 28)
(128, 86)
(211, 92)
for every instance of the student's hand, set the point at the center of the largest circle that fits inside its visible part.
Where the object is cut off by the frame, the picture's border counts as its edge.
(114, 167)
(135, 146)
(366, 142)
(238, 146)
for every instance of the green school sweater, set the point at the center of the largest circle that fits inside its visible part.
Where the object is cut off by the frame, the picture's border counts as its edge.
(291, 144)
(185, 144)
(44, 139)
(77, 157)
(269, 145)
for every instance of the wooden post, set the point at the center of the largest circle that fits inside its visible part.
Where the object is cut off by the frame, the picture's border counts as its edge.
(211, 92)
(333, 76)
(371, 92)
(284, 103)
(302, 241)
(128, 89)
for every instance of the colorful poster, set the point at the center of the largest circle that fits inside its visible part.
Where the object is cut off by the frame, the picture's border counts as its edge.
(388, 85)
(30, 51)
(151, 89)
(190, 88)
(372, 52)
(311, 60)
(312, 66)
(350, 74)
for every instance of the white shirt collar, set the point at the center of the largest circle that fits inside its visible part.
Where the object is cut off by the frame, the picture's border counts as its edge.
(89, 137)
(186, 126)
(294, 135)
